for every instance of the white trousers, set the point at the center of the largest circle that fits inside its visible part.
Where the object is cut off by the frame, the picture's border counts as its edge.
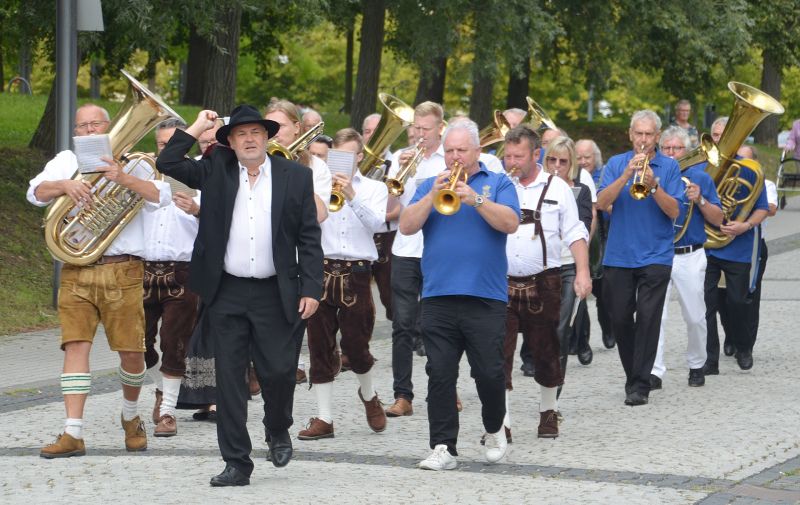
(688, 277)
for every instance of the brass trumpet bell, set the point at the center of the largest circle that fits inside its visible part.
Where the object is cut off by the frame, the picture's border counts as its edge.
(337, 199)
(396, 185)
(446, 201)
(639, 190)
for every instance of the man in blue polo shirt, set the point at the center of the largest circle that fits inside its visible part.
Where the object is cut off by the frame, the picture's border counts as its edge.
(464, 293)
(639, 251)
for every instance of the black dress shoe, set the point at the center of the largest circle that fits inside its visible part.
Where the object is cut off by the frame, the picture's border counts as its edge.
(710, 369)
(528, 369)
(280, 449)
(230, 477)
(421, 350)
(634, 399)
(585, 355)
(573, 349)
(655, 382)
(744, 359)
(728, 349)
(608, 340)
(696, 377)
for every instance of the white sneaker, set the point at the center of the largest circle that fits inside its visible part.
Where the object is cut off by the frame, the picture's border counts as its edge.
(496, 445)
(439, 460)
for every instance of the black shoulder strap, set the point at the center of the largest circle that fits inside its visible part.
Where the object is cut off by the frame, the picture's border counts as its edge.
(537, 219)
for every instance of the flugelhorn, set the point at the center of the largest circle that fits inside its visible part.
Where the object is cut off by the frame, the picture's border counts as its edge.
(395, 118)
(446, 201)
(640, 190)
(397, 185)
(291, 151)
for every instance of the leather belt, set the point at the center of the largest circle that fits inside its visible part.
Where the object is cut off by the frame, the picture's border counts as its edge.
(165, 264)
(544, 273)
(342, 267)
(120, 258)
(688, 249)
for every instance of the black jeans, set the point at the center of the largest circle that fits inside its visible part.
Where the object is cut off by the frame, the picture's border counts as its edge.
(450, 326)
(737, 282)
(406, 307)
(640, 291)
(755, 296)
(247, 318)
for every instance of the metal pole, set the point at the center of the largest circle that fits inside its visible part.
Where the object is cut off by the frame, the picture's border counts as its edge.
(590, 111)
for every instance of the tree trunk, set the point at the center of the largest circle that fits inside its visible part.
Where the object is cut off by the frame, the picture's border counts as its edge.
(44, 138)
(431, 81)
(518, 87)
(199, 49)
(219, 83)
(369, 62)
(480, 102)
(2, 75)
(767, 132)
(348, 73)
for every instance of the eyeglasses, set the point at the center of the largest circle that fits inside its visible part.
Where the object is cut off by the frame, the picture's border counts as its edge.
(673, 148)
(202, 143)
(557, 161)
(95, 125)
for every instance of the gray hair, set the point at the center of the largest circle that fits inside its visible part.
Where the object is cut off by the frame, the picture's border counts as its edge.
(723, 120)
(676, 132)
(366, 120)
(646, 114)
(514, 111)
(598, 156)
(172, 122)
(468, 125)
(311, 113)
(683, 102)
(754, 152)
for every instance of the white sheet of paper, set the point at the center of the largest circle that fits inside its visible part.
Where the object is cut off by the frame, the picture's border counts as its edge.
(177, 185)
(574, 310)
(89, 149)
(341, 162)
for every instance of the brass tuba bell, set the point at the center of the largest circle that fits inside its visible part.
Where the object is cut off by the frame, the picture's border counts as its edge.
(395, 118)
(535, 118)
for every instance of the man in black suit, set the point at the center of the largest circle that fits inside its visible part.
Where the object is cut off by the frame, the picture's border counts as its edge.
(257, 264)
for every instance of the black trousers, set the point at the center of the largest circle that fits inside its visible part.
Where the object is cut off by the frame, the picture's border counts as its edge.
(452, 325)
(602, 312)
(737, 281)
(247, 318)
(640, 291)
(755, 296)
(406, 307)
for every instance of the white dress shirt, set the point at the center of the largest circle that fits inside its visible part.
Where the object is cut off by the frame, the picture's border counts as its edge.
(131, 238)
(410, 246)
(559, 222)
(249, 249)
(347, 234)
(323, 183)
(169, 233)
(772, 197)
(492, 162)
(586, 178)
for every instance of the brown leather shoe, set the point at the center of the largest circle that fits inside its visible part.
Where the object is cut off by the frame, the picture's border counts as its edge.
(157, 408)
(301, 376)
(336, 362)
(508, 436)
(376, 417)
(167, 426)
(255, 388)
(64, 447)
(316, 429)
(548, 424)
(458, 403)
(135, 436)
(345, 363)
(401, 407)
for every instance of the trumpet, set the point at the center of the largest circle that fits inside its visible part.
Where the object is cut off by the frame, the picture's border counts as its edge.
(640, 190)
(446, 201)
(397, 185)
(337, 198)
(290, 153)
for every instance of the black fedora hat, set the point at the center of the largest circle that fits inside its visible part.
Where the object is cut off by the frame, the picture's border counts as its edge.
(246, 114)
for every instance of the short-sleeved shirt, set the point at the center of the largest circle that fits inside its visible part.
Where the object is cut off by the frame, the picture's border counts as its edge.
(696, 232)
(640, 233)
(463, 254)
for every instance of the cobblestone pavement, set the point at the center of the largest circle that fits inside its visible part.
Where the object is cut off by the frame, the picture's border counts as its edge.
(733, 441)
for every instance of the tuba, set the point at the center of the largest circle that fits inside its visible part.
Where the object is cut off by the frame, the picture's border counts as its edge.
(396, 117)
(446, 201)
(80, 236)
(535, 118)
(750, 107)
(301, 144)
(397, 185)
(495, 131)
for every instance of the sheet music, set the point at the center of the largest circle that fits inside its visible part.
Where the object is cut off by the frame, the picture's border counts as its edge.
(341, 162)
(177, 185)
(89, 149)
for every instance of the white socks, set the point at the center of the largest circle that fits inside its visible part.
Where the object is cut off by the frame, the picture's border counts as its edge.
(74, 428)
(155, 374)
(367, 389)
(507, 418)
(130, 409)
(301, 365)
(549, 401)
(172, 387)
(324, 401)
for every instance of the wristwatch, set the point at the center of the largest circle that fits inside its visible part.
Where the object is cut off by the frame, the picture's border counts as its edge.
(478, 201)
(702, 200)
(653, 191)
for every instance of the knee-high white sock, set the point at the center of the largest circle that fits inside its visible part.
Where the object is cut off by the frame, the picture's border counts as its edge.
(301, 365)
(155, 374)
(74, 427)
(170, 399)
(549, 401)
(324, 401)
(130, 409)
(507, 418)
(367, 389)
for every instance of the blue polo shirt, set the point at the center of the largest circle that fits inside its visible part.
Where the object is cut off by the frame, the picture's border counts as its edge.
(640, 234)
(463, 255)
(696, 232)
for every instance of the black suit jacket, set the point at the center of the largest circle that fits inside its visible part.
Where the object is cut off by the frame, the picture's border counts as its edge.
(296, 236)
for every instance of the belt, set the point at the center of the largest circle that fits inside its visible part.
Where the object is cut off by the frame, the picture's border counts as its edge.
(688, 249)
(164, 264)
(105, 260)
(545, 273)
(353, 266)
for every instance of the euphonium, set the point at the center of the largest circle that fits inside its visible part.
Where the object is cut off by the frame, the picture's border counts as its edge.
(495, 131)
(301, 144)
(446, 201)
(640, 190)
(685, 225)
(535, 118)
(397, 185)
(80, 236)
(396, 117)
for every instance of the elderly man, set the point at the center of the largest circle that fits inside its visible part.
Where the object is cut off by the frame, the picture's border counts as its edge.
(639, 254)
(465, 291)
(514, 116)
(310, 120)
(108, 290)
(682, 111)
(689, 263)
(257, 265)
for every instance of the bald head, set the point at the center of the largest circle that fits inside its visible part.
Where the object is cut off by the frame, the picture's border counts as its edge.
(310, 120)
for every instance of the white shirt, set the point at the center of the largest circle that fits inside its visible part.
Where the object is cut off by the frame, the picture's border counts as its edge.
(347, 234)
(323, 184)
(772, 197)
(249, 249)
(410, 246)
(492, 162)
(559, 222)
(586, 178)
(169, 233)
(131, 238)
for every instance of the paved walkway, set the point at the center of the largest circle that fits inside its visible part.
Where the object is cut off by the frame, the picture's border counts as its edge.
(736, 440)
